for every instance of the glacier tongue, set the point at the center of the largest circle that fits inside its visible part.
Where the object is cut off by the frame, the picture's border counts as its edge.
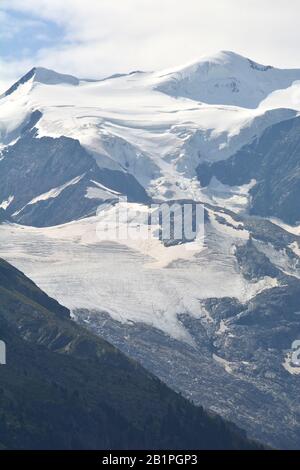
(134, 280)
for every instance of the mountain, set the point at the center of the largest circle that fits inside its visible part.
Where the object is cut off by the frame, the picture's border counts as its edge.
(215, 319)
(63, 387)
(128, 124)
(227, 79)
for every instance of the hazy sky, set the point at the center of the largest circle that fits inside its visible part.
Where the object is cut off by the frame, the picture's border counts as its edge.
(95, 38)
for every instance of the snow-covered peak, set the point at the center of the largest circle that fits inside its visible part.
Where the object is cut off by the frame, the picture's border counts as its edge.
(226, 78)
(45, 76)
(50, 77)
(208, 64)
(143, 123)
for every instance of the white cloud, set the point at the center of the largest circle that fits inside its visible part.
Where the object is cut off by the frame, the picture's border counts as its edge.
(107, 36)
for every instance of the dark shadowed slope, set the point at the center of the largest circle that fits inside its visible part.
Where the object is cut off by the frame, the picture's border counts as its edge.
(273, 161)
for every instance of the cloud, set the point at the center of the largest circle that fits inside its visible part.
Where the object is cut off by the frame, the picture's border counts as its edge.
(100, 37)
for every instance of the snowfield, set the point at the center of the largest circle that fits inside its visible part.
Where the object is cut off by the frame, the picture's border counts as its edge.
(133, 280)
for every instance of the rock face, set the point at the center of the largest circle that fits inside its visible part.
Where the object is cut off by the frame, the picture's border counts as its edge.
(273, 161)
(4, 216)
(47, 181)
(64, 388)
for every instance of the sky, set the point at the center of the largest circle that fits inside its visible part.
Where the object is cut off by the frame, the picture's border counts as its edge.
(96, 38)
